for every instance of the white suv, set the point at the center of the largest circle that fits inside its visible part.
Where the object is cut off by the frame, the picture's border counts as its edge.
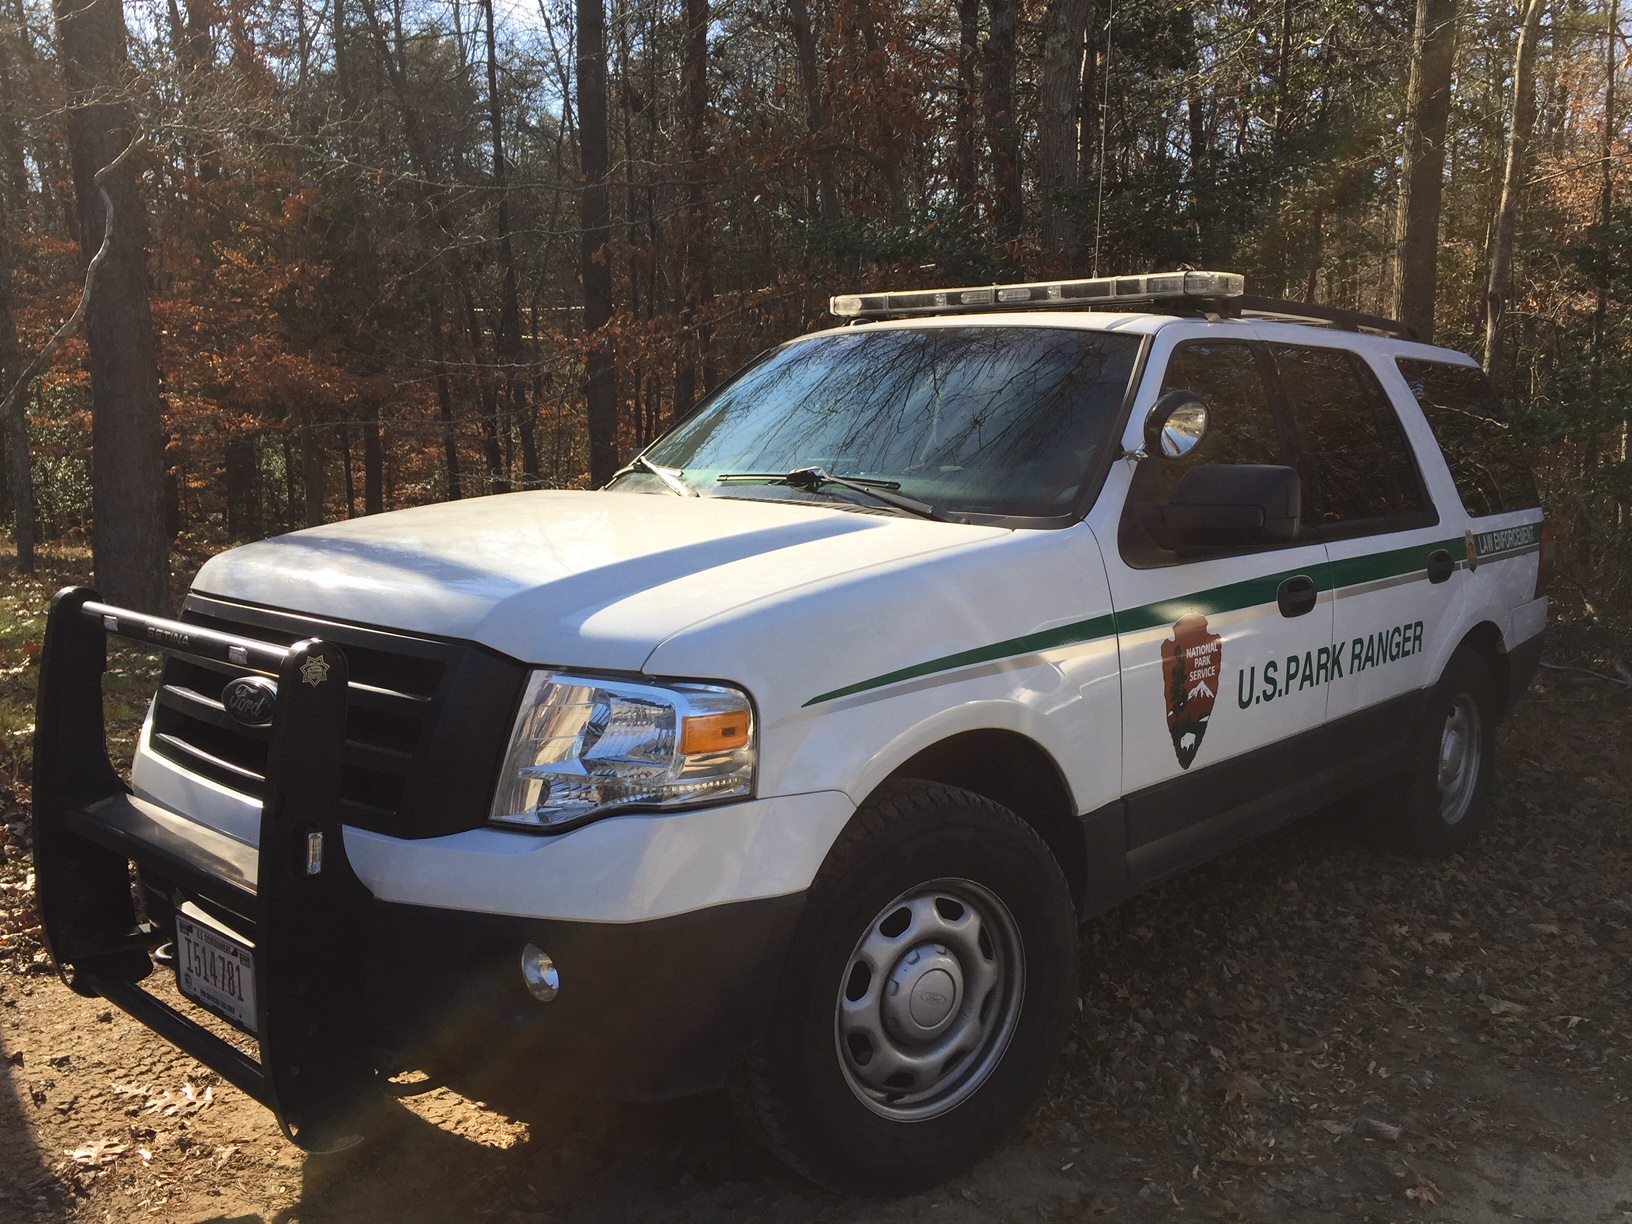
(793, 759)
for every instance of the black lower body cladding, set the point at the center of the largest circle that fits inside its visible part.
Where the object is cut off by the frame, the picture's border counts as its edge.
(1523, 662)
(646, 1010)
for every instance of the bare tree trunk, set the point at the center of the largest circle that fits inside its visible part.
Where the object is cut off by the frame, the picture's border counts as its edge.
(966, 171)
(192, 36)
(1277, 152)
(19, 473)
(129, 551)
(1518, 140)
(12, 166)
(888, 167)
(244, 516)
(1606, 217)
(1606, 199)
(373, 461)
(435, 220)
(1002, 129)
(509, 334)
(595, 257)
(826, 201)
(314, 486)
(1202, 193)
(444, 398)
(498, 478)
(350, 477)
(1065, 31)
(1422, 174)
(697, 259)
(1088, 109)
(19, 470)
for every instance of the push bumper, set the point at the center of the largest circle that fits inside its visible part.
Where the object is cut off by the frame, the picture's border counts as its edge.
(290, 893)
(347, 984)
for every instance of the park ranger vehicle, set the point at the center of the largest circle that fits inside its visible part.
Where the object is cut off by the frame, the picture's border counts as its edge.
(791, 761)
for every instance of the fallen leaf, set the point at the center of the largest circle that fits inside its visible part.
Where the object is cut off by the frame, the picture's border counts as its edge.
(1383, 1130)
(99, 1152)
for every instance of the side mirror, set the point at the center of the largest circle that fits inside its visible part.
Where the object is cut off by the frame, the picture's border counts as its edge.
(1175, 424)
(1229, 505)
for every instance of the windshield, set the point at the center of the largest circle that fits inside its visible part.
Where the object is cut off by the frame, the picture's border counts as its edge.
(972, 420)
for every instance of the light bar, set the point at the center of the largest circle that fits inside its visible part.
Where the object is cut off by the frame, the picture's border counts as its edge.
(1099, 291)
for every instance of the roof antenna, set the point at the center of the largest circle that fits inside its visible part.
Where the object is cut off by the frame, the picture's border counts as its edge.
(1104, 109)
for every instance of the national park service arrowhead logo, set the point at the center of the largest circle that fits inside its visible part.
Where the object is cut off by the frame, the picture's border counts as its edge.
(1190, 670)
(1472, 544)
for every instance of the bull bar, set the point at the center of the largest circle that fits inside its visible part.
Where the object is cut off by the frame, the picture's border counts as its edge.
(293, 894)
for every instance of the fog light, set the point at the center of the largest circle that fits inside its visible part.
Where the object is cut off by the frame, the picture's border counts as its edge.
(539, 974)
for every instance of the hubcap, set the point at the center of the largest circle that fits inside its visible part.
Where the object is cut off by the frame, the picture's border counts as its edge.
(929, 999)
(1460, 752)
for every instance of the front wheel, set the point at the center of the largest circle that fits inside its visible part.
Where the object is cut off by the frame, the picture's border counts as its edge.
(925, 997)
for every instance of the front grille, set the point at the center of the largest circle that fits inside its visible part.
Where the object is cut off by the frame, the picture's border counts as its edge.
(426, 720)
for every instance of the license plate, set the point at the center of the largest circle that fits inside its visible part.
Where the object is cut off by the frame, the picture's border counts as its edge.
(216, 971)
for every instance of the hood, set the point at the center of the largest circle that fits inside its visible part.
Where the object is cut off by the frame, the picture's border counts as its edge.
(575, 579)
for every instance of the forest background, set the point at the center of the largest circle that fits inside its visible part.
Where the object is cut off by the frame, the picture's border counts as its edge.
(359, 254)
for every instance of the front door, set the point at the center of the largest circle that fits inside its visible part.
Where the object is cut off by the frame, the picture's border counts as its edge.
(1225, 658)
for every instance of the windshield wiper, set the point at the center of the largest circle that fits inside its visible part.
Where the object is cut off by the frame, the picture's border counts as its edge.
(669, 476)
(815, 479)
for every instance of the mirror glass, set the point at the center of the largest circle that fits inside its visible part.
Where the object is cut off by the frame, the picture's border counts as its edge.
(1176, 424)
(1183, 429)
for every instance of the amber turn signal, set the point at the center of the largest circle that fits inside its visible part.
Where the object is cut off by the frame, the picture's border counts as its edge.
(714, 733)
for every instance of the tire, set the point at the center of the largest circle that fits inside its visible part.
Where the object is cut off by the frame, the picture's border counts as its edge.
(1438, 806)
(962, 908)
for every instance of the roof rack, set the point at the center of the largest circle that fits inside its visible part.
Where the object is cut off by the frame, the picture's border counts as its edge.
(1222, 294)
(1281, 310)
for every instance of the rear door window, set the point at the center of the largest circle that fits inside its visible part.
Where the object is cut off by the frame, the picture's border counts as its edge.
(1480, 446)
(1358, 472)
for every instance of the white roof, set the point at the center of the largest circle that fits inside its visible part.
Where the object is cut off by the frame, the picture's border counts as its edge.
(1148, 323)
(1139, 323)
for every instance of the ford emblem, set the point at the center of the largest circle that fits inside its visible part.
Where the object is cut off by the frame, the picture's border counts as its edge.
(250, 700)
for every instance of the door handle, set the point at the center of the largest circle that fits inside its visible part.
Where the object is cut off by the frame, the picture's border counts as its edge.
(1440, 565)
(1297, 595)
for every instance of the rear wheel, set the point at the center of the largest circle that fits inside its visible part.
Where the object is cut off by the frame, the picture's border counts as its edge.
(1442, 799)
(925, 997)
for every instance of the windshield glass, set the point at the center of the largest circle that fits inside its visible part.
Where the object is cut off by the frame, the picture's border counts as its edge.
(972, 420)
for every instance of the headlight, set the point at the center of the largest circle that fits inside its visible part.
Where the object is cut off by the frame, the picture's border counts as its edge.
(583, 747)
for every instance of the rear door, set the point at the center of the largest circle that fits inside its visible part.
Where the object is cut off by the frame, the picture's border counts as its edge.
(1220, 655)
(1392, 569)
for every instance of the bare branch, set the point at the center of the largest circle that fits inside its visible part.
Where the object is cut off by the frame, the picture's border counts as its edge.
(44, 357)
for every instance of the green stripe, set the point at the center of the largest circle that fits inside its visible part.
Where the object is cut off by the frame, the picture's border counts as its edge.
(1233, 597)
(1047, 639)
(1374, 567)
(1245, 594)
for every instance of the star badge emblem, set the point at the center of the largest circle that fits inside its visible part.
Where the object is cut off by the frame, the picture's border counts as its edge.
(315, 670)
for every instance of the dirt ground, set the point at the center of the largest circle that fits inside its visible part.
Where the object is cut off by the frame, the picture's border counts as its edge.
(1304, 1030)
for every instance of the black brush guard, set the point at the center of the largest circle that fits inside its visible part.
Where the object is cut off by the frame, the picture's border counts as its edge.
(315, 1071)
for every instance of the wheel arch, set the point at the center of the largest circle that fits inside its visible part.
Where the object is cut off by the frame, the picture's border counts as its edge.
(1016, 771)
(1484, 641)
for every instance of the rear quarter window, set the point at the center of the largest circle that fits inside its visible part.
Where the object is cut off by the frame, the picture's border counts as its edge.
(1478, 442)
